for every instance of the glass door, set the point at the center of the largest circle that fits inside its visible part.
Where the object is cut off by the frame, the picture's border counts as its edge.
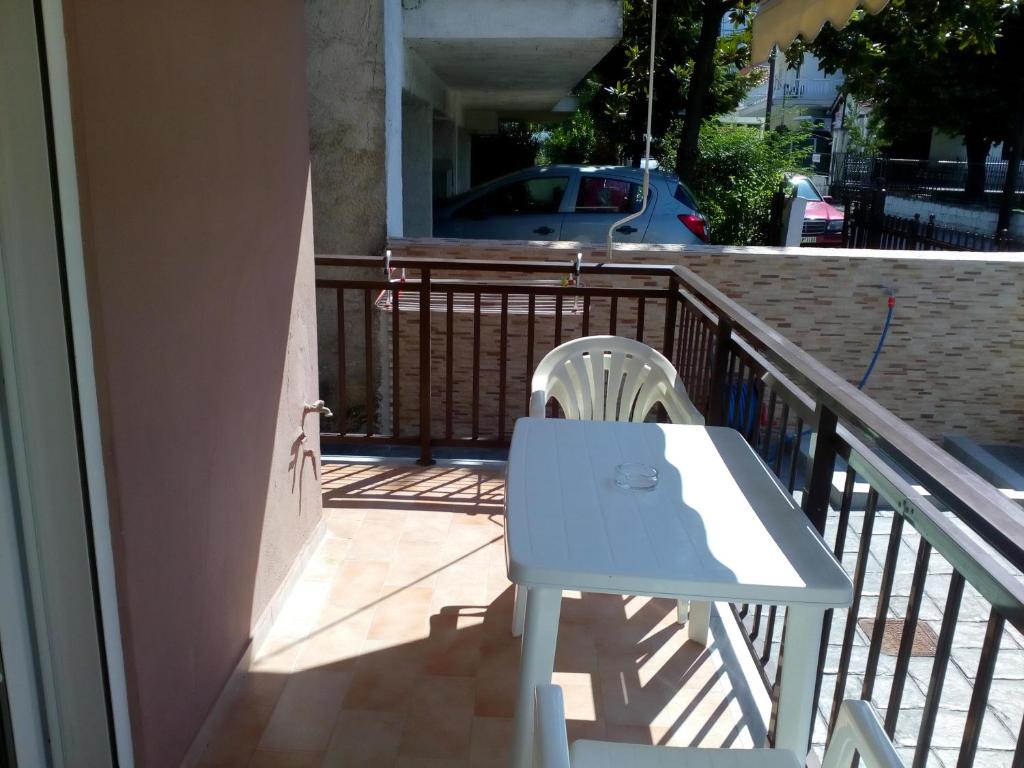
(55, 708)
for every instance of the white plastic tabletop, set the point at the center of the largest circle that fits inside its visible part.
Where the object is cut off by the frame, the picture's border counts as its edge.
(717, 526)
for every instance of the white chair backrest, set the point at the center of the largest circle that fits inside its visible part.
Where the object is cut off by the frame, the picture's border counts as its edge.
(610, 378)
(550, 739)
(858, 731)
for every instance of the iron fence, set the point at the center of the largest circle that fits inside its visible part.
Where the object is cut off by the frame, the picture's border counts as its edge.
(867, 225)
(453, 347)
(852, 174)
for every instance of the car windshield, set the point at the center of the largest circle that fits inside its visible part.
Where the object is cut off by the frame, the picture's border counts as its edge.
(804, 189)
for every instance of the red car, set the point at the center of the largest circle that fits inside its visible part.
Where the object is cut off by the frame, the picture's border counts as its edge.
(823, 222)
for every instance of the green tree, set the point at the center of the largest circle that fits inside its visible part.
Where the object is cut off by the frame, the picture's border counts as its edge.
(934, 64)
(610, 124)
(863, 139)
(575, 140)
(709, 15)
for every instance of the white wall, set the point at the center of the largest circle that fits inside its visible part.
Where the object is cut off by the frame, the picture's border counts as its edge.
(946, 147)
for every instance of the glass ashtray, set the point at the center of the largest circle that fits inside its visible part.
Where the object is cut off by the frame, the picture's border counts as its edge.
(636, 477)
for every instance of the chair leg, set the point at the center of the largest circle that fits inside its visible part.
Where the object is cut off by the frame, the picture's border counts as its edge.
(518, 611)
(682, 610)
(699, 621)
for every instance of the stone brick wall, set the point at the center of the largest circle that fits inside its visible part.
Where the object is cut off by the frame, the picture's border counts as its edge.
(952, 361)
(458, 396)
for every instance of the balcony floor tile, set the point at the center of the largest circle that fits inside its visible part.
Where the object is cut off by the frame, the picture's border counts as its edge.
(394, 648)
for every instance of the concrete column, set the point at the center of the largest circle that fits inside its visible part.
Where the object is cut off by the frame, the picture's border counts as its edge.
(417, 167)
(346, 86)
(463, 160)
(445, 158)
(394, 73)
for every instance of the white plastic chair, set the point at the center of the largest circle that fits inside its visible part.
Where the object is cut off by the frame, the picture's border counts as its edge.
(857, 731)
(611, 378)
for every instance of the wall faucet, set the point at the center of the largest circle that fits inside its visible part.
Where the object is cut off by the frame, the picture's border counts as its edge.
(318, 407)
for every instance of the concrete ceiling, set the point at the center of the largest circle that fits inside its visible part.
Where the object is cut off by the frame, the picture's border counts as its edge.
(511, 74)
(511, 54)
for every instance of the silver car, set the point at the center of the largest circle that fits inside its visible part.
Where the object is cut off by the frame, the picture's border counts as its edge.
(574, 202)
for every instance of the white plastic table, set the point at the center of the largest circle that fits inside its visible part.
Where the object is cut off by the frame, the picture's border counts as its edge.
(718, 526)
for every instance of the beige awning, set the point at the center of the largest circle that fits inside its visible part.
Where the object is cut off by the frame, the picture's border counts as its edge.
(780, 22)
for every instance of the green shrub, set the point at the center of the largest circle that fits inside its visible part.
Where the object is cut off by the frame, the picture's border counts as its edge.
(737, 173)
(570, 142)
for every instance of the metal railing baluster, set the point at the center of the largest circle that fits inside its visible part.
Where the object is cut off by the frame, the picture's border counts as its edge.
(882, 609)
(477, 296)
(916, 598)
(942, 652)
(502, 365)
(449, 367)
(860, 570)
(371, 400)
(342, 415)
(982, 687)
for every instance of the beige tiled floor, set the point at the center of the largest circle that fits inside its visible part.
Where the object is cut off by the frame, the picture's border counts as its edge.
(394, 649)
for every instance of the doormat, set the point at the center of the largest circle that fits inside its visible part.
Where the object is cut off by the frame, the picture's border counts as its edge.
(925, 639)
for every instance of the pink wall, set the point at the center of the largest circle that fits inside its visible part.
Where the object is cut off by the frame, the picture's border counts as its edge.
(192, 143)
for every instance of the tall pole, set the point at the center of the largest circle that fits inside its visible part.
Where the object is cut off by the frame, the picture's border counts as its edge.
(647, 140)
(771, 89)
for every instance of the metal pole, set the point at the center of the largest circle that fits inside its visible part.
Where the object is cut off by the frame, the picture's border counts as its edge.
(425, 448)
(647, 143)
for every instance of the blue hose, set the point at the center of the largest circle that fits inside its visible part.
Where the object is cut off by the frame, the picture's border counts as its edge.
(785, 439)
(881, 342)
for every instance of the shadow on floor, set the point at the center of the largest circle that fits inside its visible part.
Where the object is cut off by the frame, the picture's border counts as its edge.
(395, 649)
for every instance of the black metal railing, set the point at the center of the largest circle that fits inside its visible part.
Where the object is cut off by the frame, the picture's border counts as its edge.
(942, 179)
(867, 225)
(449, 352)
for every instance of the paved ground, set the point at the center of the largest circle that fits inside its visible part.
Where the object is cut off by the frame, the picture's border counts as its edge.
(1006, 703)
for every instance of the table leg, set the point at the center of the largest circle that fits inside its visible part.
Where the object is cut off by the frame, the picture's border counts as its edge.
(518, 610)
(536, 665)
(801, 641)
(698, 621)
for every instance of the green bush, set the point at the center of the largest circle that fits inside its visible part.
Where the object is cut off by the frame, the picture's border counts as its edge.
(570, 142)
(737, 173)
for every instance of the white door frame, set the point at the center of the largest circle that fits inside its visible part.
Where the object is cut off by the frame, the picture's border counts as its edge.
(59, 625)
